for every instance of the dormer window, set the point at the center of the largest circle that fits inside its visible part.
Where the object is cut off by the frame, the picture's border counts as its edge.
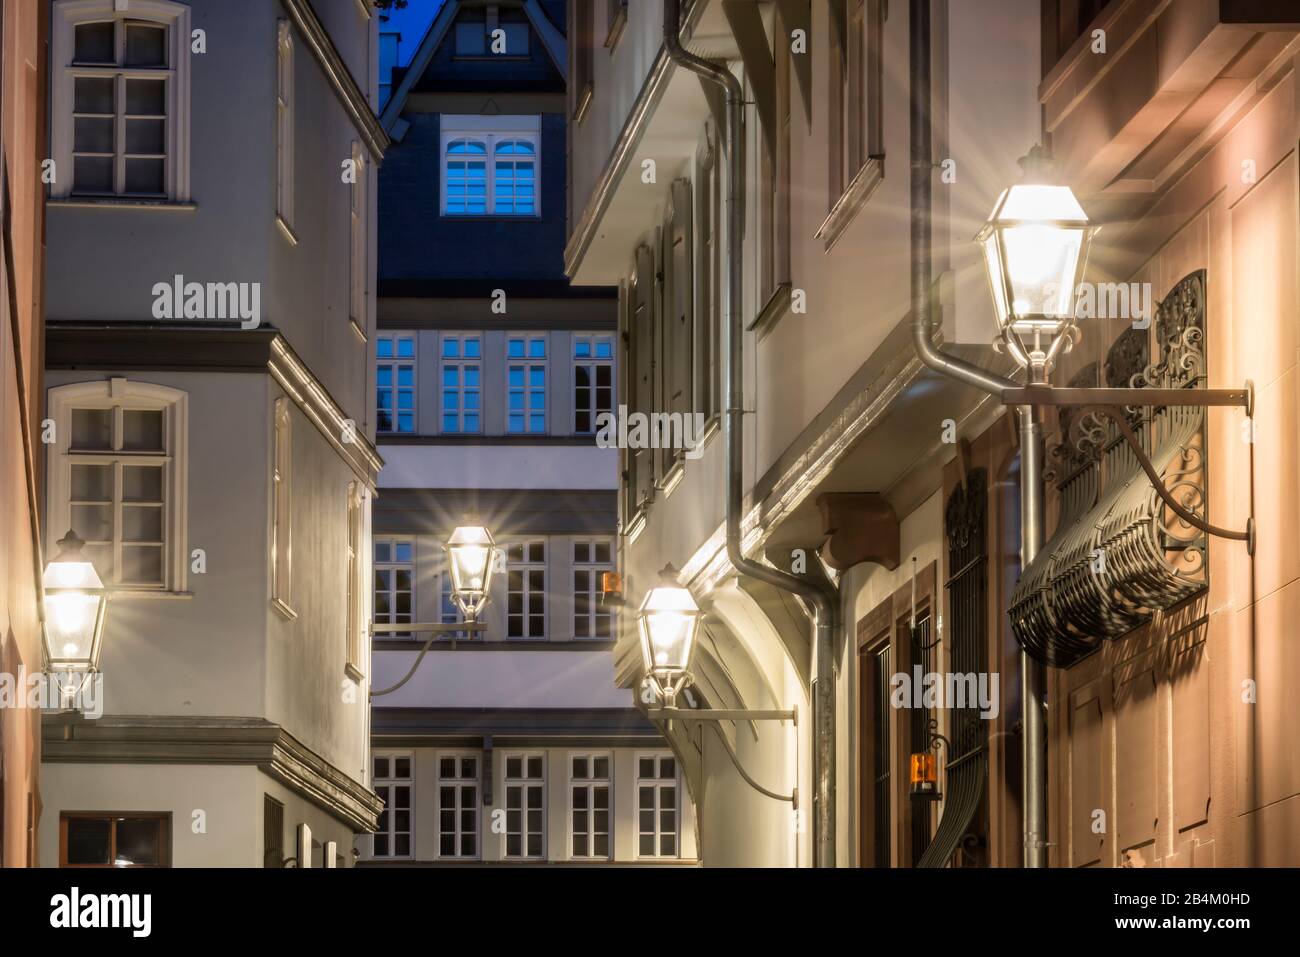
(120, 99)
(491, 166)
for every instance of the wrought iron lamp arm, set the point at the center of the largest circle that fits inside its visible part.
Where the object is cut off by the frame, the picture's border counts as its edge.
(435, 631)
(714, 715)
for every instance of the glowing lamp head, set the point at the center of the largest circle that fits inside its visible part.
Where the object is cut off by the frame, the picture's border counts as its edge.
(471, 553)
(1035, 251)
(668, 620)
(75, 602)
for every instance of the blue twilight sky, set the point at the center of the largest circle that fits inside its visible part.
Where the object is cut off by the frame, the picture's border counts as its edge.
(411, 22)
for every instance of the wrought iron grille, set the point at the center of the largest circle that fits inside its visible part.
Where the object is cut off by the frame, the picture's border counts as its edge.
(1118, 554)
(967, 778)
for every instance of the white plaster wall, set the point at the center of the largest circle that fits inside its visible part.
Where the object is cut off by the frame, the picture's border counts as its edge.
(500, 466)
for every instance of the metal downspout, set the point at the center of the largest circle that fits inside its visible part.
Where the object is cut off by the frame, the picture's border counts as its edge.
(1033, 675)
(824, 603)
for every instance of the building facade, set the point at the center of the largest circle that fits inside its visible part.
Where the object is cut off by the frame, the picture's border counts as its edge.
(897, 490)
(511, 745)
(210, 400)
(23, 31)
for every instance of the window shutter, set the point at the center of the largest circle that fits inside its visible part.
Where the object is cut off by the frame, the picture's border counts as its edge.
(272, 832)
(681, 317)
(643, 356)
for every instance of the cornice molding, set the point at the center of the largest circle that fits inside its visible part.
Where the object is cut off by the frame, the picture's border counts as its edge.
(169, 739)
(340, 78)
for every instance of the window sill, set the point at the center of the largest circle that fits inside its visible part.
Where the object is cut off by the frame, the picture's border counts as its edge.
(117, 594)
(286, 230)
(490, 217)
(583, 105)
(283, 610)
(106, 202)
(354, 673)
(778, 305)
(616, 30)
(854, 198)
(356, 327)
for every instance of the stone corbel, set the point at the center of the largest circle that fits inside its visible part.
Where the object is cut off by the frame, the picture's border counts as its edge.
(860, 527)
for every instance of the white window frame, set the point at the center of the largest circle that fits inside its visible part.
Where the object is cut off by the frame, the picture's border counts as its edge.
(491, 130)
(459, 783)
(394, 566)
(175, 17)
(659, 784)
(393, 781)
(590, 784)
(282, 509)
(123, 394)
(528, 363)
(594, 591)
(393, 362)
(461, 363)
(357, 258)
(527, 591)
(524, 784)
(284, 125)
(354, 627)
(593, 362)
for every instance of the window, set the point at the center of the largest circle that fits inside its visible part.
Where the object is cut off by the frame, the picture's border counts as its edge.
(120, 99)
(131, 839)
(284, 124)
(589, 806)
(395, 383)
(117, 479)
(357, 220)
(525, 784)
(591, 618)
(526, 590)
(282, 509)
(856, 89)
(881, 727)
(394, 582)
(491, 170)
(708, 275)
(656, 805)
(449, 612)
(774, 171)
(462, 388)
(526, 384)
(457, 805)
(272, 832)
(582, 49)
(355, 563)
(593, 381)
(394, 782)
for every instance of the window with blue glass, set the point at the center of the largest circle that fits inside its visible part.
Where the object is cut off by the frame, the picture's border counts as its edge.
(395, 383)
(491, 173)
(593, 381)
(526, 384)
(462, 390)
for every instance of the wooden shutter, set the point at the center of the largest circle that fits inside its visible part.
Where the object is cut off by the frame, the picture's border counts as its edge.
(643, 341)
(272, 832)
(681, 315)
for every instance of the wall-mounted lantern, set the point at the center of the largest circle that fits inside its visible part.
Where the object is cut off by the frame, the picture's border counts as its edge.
(75, 605)
(471, 553)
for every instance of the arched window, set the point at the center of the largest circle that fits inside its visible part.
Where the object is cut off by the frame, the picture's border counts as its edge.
(491, 166)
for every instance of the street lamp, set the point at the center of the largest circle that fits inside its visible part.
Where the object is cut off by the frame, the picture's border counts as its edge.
(470, 553)
(668, 621)
(75, 602)
(1035, 251)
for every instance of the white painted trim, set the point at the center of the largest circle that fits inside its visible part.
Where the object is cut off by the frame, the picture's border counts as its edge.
(657, 783)
(391, 781)
(125, 394)
(589, 783)
(526, 782)
(526, 361)
(176, 17)
(458, 782)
